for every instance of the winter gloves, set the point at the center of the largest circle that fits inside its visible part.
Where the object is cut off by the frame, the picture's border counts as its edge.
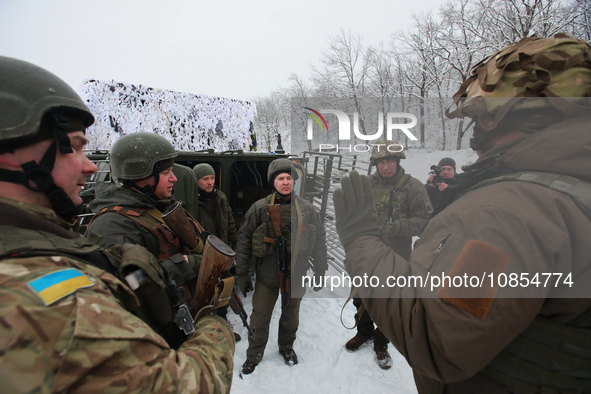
(354, 208)
(244, 283)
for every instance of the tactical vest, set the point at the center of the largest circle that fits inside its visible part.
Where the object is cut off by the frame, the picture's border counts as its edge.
(307, 241)
(180, 276)
(548, 357)
(19, 243)
(151, 220)
(387, 203)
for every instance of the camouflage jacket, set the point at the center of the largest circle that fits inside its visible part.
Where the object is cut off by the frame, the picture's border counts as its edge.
(409, 203)
(67, 328)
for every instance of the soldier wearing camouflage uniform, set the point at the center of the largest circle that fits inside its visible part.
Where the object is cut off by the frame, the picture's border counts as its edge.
(66, 324)
(296, 213)
(403, 209)
(130, 211)
(522, 212)
(215, 213)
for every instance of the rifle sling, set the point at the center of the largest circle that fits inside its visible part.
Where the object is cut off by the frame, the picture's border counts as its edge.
(295, 248)
(156, 214)
(360, 311)
(223, 292)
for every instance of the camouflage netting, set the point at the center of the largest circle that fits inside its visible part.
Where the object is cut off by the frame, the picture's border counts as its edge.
(554, 71)
(190, 122)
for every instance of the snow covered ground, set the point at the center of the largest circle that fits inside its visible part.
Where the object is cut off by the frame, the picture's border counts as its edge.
(325, 366)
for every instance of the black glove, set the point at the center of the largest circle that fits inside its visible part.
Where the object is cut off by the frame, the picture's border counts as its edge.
(244, 283)
(354, 208)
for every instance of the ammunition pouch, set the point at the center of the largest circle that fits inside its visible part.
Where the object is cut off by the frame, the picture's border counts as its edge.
(142, 273)
(178, 270)
(264, 235)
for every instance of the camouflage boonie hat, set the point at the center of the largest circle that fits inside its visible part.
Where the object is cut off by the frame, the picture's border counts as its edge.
(386, 149)
(530, 75)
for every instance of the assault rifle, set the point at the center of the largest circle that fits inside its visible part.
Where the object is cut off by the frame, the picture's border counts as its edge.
(238, 308)
(189, 232)
(216, 261)
(211, 290)
(281, 247)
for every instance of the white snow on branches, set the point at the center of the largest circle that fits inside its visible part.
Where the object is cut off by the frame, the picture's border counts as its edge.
(189, 121)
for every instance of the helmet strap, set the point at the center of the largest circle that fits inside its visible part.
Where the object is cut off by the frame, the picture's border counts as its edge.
(148, 191)
(37, 176)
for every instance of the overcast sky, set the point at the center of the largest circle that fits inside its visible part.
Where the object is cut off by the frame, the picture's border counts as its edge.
(234, 49)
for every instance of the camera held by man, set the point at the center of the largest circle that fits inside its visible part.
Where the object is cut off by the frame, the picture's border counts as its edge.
(441, 177)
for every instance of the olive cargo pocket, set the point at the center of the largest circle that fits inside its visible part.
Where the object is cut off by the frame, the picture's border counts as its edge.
(261, 248)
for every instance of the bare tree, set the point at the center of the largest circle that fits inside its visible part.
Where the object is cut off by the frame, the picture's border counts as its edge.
(344, 71)
(462, 44)
(582, 22)
(510, 20)
(267, 122)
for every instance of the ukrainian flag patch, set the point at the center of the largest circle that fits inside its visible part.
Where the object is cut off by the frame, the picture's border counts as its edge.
(59, 284)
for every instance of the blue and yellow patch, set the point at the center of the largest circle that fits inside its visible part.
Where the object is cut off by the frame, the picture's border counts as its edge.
(59, 284)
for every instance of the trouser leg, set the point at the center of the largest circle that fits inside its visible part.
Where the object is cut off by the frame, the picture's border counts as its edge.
(365, 324)
(288, 323)
(379, 340)
(263, 302)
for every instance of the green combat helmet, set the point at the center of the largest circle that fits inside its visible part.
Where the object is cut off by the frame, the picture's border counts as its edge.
(35, 105)
(27, 94)
(386, 149)
(281, 165)
(134, 156)
(527, 85)
(138, 156)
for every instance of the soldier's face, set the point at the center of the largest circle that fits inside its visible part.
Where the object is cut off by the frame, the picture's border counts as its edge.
(206, 183)
(165, 184)
(283, 183)
(71, 169)
(387, 167)
(447, 172)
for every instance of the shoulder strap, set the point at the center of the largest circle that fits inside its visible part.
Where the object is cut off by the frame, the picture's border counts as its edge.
(17, 242)
(577, 189)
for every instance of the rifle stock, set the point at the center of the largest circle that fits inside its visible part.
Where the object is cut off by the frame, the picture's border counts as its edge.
(281, 248)
(176, 218)
(217, 259)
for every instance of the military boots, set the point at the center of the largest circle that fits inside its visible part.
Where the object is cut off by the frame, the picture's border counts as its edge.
(289, 356)
(248, 367)
(383, 358)
(356, 342)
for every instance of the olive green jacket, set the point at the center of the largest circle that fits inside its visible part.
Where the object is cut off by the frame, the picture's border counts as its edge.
(509, 227)
(118, 229)
(215, 215)
(266, 268)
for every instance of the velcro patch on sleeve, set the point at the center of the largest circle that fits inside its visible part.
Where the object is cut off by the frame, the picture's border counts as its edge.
(56, 285)
(428, 205)
(472, 290)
